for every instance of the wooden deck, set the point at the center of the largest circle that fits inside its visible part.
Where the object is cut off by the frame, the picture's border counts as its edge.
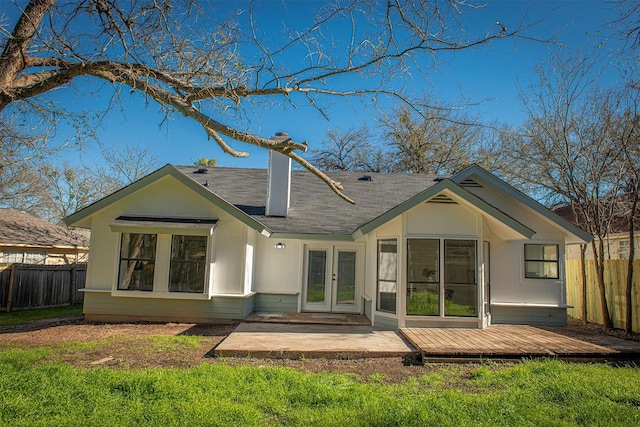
(509, 342)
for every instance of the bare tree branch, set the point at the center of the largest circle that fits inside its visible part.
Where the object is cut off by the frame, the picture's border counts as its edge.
(174, 54)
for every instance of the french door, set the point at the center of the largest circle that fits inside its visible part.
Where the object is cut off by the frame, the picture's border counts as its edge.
(332, 279)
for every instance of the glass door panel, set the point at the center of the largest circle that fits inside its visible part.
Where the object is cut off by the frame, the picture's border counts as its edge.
(316, 277)
(460, 282)
(346, 278)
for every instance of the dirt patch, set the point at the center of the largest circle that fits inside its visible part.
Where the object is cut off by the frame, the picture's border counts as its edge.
(61, 330)
(183, 345)
(594, 328)
(176, 345)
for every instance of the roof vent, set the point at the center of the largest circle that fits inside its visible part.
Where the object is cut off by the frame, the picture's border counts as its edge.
(469, 183)
(442, 198)
(439, 179)
(365, 178)
(202, 170)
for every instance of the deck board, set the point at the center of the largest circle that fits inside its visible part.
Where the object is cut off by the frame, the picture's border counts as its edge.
(516, 341)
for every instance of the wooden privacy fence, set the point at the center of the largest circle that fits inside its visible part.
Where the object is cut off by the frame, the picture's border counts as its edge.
(24, 286)
(615, 278)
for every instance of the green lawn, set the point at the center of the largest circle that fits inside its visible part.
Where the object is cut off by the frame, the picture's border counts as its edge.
(36, 392)
(16, 318)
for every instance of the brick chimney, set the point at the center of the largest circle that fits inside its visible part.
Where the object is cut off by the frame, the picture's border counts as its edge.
(278, 181)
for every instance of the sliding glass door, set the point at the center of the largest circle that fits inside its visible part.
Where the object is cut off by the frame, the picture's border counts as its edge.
(442, 277)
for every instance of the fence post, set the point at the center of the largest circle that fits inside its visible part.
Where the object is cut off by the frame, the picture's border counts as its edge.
(72, 285)
(12, 277)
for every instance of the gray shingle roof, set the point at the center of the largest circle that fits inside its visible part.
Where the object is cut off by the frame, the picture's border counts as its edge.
(315, 209)
(17, 228)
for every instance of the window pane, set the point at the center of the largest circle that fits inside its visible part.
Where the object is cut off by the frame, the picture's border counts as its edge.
(13, 257)
(541, 252)
(387, 275)
(460, 288)
(541, 270)
(423, 287)
(316, 276)
(460, 261)
(541, 261)
(34, 257)
(137, 262)
(387, 260)
(188, 263)
(423, 260)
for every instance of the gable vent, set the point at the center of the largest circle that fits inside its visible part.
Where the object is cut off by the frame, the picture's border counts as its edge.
(441, 198)
(469, 183)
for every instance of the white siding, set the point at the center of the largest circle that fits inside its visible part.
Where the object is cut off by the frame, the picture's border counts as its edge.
(440, 219)
(278, 271)
(508, 283)
(169, 198)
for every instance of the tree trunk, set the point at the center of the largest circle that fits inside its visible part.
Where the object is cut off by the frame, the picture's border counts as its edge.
(583, 265)
(598, 256)
(628, 329)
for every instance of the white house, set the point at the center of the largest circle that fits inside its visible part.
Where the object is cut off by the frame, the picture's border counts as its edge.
(191, 244)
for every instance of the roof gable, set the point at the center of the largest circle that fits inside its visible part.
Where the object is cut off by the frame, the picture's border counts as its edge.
(82, 217)
(475, 173)
(451, 187)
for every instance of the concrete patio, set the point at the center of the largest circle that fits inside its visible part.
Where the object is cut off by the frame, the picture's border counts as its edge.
(293, 341)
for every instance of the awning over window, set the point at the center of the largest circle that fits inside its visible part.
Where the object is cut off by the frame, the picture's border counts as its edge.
(164, 225)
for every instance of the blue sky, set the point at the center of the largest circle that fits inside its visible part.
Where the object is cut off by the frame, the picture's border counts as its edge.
(489, 75)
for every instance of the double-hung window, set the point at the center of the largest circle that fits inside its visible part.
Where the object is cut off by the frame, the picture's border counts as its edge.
(541, 261)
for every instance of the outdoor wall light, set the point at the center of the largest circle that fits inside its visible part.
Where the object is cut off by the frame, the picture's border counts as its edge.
(279, 245)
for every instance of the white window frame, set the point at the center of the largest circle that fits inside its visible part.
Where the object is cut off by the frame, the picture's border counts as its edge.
(164, 236)
(376, 307)
(560, 256)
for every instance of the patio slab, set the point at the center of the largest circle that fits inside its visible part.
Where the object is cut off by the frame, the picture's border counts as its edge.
(279, 340)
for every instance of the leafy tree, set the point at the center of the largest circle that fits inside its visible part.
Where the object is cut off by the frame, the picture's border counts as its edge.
(212, 67)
